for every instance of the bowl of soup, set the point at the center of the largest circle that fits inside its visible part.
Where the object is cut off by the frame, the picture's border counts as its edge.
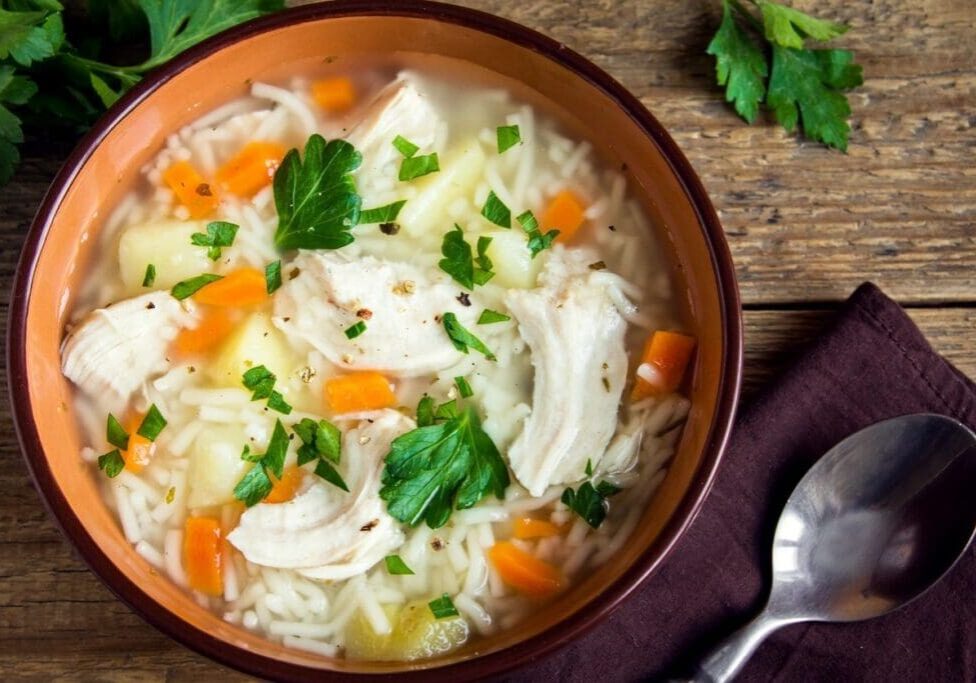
(373, 339)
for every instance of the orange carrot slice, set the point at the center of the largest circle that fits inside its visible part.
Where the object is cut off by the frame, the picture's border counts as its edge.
(191, 189)
(243, 287)
(214, 326)
(527, 527)
(251, 169)
(140, 450)
(565, 214)
(284, 489)
(202, 546)
(523, 571)
(668, 354)
(334, 95)
(358, 391)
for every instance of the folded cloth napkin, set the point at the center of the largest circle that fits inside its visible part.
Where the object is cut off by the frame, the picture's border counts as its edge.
(871, 364)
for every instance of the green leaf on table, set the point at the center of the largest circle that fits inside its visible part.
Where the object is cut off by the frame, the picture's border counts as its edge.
(739, 65)
(788, 27)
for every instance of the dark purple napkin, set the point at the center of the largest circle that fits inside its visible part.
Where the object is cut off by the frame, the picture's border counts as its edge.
(870, 364)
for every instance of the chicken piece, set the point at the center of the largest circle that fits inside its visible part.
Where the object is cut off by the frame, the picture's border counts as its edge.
(400, 305)
(116, 349)
(325, 532)
(576, 335)
(401, 108)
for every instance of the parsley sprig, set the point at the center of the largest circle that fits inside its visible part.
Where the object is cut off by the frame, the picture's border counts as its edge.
(257, 483)
(589, 501)
(805, 86)
(460, 264)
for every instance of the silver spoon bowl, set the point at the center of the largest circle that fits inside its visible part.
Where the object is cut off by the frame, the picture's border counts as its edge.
(879, 519)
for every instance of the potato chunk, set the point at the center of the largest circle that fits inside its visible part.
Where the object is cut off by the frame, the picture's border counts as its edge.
(166, 245)
(513, 262)
(416, 634)
(215, 466)
(255, 342)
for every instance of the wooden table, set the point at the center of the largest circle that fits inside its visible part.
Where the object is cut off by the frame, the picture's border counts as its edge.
(806, 226)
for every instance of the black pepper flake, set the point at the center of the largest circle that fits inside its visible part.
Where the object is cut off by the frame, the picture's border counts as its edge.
(464, 299)
(368, 526)
(364, 313)
(612, 228)
(599, 265)
(150, 306)
(606, 384)
(437, 543)
(191, 370)
(293, 273)
(203, 189)
(287, 318)
(389, 228)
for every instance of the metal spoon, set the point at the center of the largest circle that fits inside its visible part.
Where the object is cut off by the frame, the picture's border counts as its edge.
(875, 522)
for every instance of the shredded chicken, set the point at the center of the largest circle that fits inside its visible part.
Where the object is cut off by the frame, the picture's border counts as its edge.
(576, 335)
(116, 349)
(325, 532)
(400, 305)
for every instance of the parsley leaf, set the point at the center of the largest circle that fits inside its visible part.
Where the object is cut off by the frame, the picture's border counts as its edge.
(443, 607)
(508, 137)
(355, 330)
(788, 27)
(436, 468)
(152, 424)
(316, 197)
(463, 387)
(381, 214)
(489, 316)
(111, 463)
(321, 444)
(149, 279)
(462, 339)
(395, 566)
(257, 484)
(416, 167)
(187, 288)
(219, 234)
(272, 276)
(496, 211)
(739, 65)
(261, 381)
(405, 147)
(425, 411)
(28, 37)
(537, 241)
(458, 261)
(590, 502)
(115, 434)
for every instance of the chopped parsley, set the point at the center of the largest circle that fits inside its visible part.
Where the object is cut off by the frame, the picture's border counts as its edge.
(589, 468)
(272, 276)
(405, 147)
(496, 211)
(463, 387)
(257, 483)
(443, 607)
(111, 463)
(537, 241)
(489, 317)
(219, 234)
(152, 424)
(425, 411)
(459, 263)
(187, 288)
(316, 197)
(149, 279)
(321, 444)
(447, 463)
(462, 339)
(588, 501)
(115, 434)
(416, 167)
(395, 566)
(354, 331)
(261, 381)
(508, 137)
(381, 214)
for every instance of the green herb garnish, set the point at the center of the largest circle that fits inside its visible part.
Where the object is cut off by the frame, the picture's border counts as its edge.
(115, 434)
(152, 424)
(219, 234)
(589, 468)
(496, 211)
(321, 444)
(381, 214)
(111, 463)
(459, 263)
(272, 276)
(261, 381)
(537, 241)
(316, 196)
(150, 277)
(590, 502)
(443, 607)
(354, 331)
(450, 463)
(803, 82)
(463, 387)
(405, 147)
(187, 288)
(508, 137)
(462, 338)
(395, 566)
(257, 483)
(416, 167)
(425, 411)
(483, 273)
(489, 316)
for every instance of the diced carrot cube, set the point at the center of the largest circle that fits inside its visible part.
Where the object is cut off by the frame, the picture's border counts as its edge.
(251, 169)
(334, 95)
(191, 189)
(203, 556)
(527, 527)
(358, 391)
(243, 287)
(523, 571)
(565, 214)
(668, 354)
(284, 489)
(214, 326)
(140, 450)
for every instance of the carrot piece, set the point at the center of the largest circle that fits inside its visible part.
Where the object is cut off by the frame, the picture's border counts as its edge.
(359, 391)
(251, 169)
(565, 214)
(668, 354)
(284, 489)
(202, 546)
(243, 287)
(140, 450)
(523, 571)
(334, 95)
(527, 527)
(214, 326)
(190, 188)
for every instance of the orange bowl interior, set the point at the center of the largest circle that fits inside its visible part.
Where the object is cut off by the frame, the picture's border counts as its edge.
(111, 168)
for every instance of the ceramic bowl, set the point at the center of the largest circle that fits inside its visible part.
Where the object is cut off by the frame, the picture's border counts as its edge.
(106, 163)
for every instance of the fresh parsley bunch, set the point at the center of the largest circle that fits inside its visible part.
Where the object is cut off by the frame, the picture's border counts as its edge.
(52, 78)
(804, 87)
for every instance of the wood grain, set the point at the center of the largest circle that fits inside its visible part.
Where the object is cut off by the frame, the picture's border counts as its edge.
(806, 226)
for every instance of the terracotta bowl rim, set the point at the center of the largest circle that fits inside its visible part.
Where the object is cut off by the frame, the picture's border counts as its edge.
(532, 649)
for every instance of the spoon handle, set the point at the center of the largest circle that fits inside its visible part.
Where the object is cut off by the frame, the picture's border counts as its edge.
(725, 661)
